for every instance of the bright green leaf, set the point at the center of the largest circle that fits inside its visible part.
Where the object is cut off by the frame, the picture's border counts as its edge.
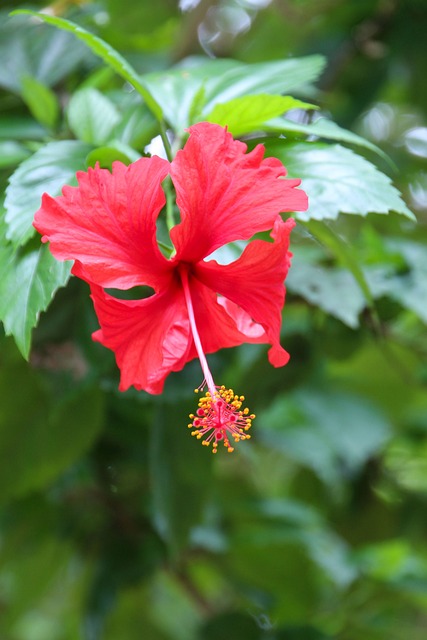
(41, 101)
(247, 113)
(91, 116)
(337, 180)
(48, 170)
(109, 55)
(28, 281)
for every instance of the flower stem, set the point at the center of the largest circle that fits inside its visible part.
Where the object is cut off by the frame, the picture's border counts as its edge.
(165, 140)
(197, 342)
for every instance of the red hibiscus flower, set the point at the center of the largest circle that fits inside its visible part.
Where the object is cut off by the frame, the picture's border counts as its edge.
(108, 226)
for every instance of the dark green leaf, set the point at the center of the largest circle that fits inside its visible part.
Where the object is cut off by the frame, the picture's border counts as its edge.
(28, 281)
(36, 444)
(337, 180)
(48, 170)
(20, 128)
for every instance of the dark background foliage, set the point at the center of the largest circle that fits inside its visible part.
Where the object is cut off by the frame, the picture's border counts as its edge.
(114, 523)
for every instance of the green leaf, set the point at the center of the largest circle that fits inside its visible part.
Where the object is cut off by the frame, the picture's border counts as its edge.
(197, 89)
(248, 113)
(91, 116)
(409, 288)
(28, 281)
(41, 101)
(335, 291)
(12, 153)
(323, 128)
(277, 77)
(20, 128)
(109, 55)
(173, 480)
(342, 250)
(308, 426)
(48, 170)
(337, 180)
(27, 48)
(105, 156)
(38, 441)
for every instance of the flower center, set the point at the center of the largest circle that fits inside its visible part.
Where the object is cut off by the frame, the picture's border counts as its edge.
(219, 416)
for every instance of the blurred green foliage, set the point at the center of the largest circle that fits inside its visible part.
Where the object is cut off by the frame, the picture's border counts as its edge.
(114, 523)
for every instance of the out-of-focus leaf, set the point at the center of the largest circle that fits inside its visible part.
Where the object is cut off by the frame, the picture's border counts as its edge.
(105, 156)
(38, 441)
(334, 434)
(32, 49)
(409, 288)
(12, 153)
(137, 126)
(337, 180)
(248, 113)
(173, 480)
(106, 52)
(48, 170)
(322, 128)
(91, 116)
(219, 81)
(277, 77)
(20, 128)
(41, 101)
(335, 291)
(28, 281)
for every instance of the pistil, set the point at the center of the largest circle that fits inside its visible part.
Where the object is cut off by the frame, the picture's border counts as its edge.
(219, 416)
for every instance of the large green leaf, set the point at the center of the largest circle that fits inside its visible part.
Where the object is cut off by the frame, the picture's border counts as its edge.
(48, 170)
(28, 281)
(248, 113)
(218, 81)
(337, 180)
(91, 116)
(109, 55)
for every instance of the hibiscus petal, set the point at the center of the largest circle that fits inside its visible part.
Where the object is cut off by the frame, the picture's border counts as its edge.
(221, 323)
(108, 224)
(255, 283)
(150, 337)
(225, 194)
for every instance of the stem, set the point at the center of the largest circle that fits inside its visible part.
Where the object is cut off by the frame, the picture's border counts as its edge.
(165, 140)
(183, 271)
